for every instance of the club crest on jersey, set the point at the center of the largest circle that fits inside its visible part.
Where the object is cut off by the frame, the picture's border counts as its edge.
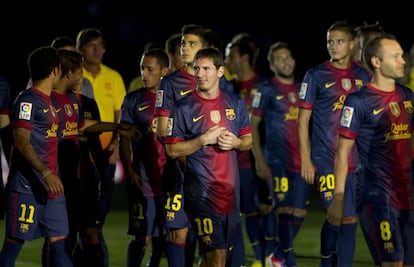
(230, 114)
(359, 83)
(215, 116)
(170, 124)
(292, 97)
(395, 109)
(159, 97)
(346, 84)
(408, 106)
(26, 110)
(24, 228)
(68, 110)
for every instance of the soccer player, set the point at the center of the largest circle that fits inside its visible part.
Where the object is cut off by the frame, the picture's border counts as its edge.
(378, 120)
(144, 161)
(255, 193)
(173, 87)
(71, 121)
(322, 95)
(36, 204)
(276, 104)
(205, 129)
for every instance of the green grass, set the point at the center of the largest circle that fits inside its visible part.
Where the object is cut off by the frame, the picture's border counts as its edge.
(306, 243)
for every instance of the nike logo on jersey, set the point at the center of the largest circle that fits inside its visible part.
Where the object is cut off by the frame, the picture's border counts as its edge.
(279, 97)
(57, 110)
(196, 119)
(377, 111)
(329, 85)
(45, 110)
(141, 108)
(183, 93)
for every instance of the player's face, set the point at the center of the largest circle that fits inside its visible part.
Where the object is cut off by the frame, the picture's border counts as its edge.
(339, 45)
(151, 72)
(93, 51)
(75, 80)
(190, 44)
(283, 63)
(207, 75)
(233, 60)
(391, 60)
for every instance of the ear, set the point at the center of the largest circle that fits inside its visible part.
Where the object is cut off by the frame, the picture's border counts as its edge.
(220, 71)
(164, 71)
(69, 75)
(376, 62)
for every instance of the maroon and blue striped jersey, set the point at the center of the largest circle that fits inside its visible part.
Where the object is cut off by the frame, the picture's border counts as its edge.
(33, 110)
(277, 104)
(212, 175)
(382, 124)
(148, 153)
(324, 90)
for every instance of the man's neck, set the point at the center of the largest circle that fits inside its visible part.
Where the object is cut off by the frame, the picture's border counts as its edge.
(94, 69)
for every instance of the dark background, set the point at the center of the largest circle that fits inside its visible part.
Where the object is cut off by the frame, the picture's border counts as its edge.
(129, 25)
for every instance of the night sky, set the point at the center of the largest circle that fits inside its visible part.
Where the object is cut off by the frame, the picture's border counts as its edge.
(128, 28)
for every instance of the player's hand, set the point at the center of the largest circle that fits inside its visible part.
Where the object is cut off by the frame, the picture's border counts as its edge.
(131, 132)
(54, 183)
(133, 177)
(210, 137)
(113, 149)
(335, 211)
(263, 170)
(227, 140)
(308, 172)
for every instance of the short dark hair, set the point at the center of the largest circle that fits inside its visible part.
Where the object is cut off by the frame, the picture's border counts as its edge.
(344, 26)
(274, 47)
(42, 61)
(245, 48)
(213, 53)
(208, 37)
(62, 41)
(162, 57)
(373, 48)
(172, 42)
(87, 35)
(70, 60)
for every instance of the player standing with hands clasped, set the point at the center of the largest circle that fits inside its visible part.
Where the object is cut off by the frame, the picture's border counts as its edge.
(205, 129)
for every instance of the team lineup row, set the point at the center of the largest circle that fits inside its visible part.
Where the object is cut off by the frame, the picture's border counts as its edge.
(206, 138)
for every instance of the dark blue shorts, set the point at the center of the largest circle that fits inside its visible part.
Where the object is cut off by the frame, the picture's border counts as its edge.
(214, 231)
(388, 232)
(146, 214)
(27, 219)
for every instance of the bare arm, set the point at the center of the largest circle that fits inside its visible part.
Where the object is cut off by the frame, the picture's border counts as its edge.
(262, 169)
(125, 153)
(336, 209)
(114, 146)
(162, 128)
(93, 126)
(23, 145)
(307, 167)
(228, 141)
